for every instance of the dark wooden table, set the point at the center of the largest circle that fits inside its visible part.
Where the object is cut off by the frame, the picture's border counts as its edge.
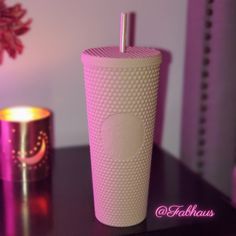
(63, 204)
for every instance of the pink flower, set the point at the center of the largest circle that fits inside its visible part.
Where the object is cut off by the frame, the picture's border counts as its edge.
(11, 27)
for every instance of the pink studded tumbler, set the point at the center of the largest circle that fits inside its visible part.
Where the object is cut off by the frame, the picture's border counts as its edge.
(121, 97)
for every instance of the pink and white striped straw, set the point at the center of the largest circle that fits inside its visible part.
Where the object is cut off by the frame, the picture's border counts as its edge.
(123, 26)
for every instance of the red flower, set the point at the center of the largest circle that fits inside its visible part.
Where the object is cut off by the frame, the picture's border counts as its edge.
(12, 26)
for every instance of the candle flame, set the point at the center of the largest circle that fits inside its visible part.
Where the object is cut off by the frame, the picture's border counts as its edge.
(23, 114)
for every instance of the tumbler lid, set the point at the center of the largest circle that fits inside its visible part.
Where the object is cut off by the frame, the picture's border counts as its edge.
(112, 57)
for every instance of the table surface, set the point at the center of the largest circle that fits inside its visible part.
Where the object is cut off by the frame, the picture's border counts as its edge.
(63, 203)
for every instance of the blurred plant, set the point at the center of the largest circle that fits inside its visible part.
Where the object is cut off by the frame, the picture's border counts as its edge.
(11, 27)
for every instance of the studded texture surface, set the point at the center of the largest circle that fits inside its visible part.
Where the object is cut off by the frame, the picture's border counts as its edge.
(121, 185)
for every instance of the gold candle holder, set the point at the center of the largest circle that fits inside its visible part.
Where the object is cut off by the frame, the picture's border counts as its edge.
(25, 143)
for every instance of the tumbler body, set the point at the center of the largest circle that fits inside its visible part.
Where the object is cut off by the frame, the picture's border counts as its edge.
(121, 98)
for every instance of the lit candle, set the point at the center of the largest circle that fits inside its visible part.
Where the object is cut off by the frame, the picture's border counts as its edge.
(25, 143)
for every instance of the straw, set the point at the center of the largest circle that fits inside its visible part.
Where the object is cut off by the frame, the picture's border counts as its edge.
(123, 26)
